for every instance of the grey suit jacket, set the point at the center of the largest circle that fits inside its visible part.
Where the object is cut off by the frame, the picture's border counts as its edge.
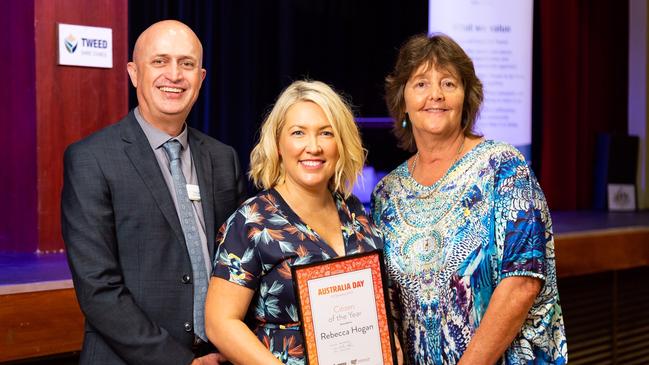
(125, 245)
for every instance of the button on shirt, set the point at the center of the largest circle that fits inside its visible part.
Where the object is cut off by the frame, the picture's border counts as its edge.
(156, 139)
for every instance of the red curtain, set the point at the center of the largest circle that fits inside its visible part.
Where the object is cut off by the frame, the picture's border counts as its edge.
(584, 53)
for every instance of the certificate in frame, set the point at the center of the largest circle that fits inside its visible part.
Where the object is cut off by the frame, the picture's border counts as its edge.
(343, 310)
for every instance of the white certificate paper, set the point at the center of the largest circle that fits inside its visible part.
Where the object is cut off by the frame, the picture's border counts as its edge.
(343, 311)
(346, 318)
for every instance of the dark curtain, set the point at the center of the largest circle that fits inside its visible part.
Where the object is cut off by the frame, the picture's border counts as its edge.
(583, 91)
(253, 49)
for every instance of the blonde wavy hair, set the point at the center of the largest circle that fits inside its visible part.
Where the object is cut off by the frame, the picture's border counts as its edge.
(266, 168)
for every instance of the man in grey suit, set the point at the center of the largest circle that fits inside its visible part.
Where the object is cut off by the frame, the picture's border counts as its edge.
(131, 257)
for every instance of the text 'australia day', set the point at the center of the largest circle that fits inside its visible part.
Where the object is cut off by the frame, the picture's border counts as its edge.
(340, 287)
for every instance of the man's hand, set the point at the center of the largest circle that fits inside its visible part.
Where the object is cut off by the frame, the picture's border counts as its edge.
(210, 359)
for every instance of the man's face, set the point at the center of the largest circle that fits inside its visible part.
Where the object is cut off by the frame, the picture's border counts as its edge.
(166, 71)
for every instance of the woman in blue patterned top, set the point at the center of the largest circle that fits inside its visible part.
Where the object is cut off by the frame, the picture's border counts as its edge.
(468, 234)
(307, 159)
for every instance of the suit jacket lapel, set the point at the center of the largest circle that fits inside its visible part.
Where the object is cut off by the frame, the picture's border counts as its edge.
(139, 152)
(203, 164)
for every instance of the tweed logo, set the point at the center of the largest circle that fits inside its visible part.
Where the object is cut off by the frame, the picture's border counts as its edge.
(70, 43)
(81, 45)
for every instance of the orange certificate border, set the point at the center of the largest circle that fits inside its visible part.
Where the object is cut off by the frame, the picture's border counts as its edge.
(373, 260)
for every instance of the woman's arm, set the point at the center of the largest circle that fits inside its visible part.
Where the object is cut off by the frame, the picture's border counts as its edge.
(505, 315)
(397, 349)
(225, 307)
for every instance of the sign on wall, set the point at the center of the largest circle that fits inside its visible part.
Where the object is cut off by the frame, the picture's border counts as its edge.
(80, 45)
(497, 35)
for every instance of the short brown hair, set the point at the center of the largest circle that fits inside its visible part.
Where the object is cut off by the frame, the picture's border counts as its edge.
(436, 50)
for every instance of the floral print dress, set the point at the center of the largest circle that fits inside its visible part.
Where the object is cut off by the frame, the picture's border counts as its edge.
(447, 246)
(257, 246)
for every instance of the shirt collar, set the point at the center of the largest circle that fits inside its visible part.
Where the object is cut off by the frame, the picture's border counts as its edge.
(157, 137)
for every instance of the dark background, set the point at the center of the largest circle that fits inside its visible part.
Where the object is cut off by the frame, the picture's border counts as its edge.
(253, 49)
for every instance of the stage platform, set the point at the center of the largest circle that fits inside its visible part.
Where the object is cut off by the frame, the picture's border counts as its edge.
(579, 222)
(592, 242)
(39, 315)
(22, 272)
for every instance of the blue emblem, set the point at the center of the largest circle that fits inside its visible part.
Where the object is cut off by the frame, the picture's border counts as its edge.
(70, 43)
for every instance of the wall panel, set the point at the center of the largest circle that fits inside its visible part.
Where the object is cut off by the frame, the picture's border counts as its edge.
(72, 102)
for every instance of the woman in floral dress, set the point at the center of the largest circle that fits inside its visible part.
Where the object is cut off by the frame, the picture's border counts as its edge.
(307, 159)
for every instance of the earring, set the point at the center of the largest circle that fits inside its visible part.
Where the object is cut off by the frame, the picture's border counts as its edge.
(404, 122)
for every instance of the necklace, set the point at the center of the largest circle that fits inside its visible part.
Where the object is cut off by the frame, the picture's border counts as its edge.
(457, 156)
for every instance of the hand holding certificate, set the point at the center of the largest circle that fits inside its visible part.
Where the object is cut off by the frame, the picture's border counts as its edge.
(343, 310)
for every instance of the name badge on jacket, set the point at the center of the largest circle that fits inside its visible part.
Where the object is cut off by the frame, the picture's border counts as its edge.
(193, 192)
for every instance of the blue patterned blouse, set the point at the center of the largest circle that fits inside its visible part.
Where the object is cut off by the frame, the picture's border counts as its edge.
(260, 242)
(448, 245)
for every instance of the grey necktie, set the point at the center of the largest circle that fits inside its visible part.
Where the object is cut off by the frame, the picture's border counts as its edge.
(192, 239)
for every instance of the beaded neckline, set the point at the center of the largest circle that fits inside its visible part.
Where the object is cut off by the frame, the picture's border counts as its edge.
(423, 191)
(457, 156)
